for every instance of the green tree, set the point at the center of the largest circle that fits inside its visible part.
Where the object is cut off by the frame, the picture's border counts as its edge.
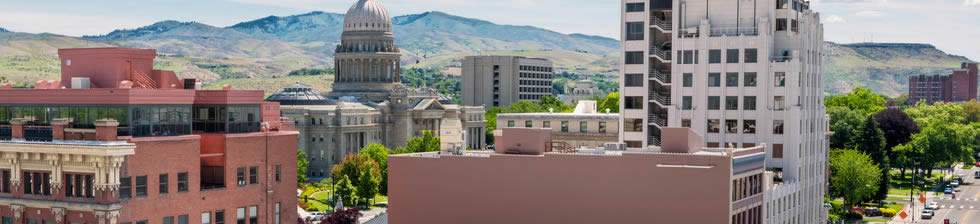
(301, 166)
(525, 107)
(426, 143)
(904, 157)
(971, 111)
(379, 154)
(491, 117)
(611, 102)
(946, 113)
(942, 144)
(368, 184)
(551, 102)
(347, 192)
(859, 99)
(353, 166)
(871, 140)
(855, 177)
(845, 123)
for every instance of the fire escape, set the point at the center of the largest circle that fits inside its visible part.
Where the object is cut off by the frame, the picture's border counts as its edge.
(661, 31)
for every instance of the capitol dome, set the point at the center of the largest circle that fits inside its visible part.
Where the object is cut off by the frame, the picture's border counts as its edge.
(367, 15)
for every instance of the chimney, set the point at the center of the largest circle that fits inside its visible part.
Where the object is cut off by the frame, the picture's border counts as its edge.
(106, 129)
(17, 128)
(58, 126)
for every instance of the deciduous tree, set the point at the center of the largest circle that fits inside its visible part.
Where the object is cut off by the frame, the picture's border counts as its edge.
(859, 99)
(379, 154)
(301, 166)
(855, 177)
(845, 123)
(611, 102)
(347, 192)
(871, 140)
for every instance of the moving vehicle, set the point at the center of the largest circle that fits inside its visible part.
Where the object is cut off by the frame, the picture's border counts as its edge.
(954, 183)
(976, 175)
(949, 190)
(932, 206)
(927, 213)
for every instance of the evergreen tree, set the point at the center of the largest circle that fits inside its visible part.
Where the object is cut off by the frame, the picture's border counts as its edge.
(347, 192)
(871, 141)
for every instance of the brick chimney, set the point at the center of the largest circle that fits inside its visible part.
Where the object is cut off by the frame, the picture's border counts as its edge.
(106, 129)
(17, 128)
(58, 126)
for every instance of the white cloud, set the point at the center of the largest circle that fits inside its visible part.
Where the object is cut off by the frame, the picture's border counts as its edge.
(869, 13)
(834, 19)
(71, 25)
(971, 2)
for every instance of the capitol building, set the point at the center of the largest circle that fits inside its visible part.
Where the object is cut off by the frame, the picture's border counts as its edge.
(368, 104)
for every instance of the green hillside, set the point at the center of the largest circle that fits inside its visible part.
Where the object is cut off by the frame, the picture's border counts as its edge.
(884, 68)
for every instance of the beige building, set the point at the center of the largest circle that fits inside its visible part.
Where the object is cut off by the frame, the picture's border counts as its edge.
(582, 89)
(499, 81)
(368, 103)
(582, 128)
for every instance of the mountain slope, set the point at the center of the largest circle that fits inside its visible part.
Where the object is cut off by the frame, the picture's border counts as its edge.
(883, 67)
(2, 30)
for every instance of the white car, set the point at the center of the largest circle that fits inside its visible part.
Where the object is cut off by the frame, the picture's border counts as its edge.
(927, 214)
(954, 183)
(932, 206)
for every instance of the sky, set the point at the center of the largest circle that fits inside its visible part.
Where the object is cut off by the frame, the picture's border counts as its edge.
(951, 25)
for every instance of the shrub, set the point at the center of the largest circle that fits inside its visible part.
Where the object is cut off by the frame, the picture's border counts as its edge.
(853, 216)
(887, 212)
(344, 216)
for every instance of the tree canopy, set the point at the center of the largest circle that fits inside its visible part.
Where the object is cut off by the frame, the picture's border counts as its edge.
(845, 123)
(856, 178)
(379, 153)
(426, 143)
(301, 166)
(611, 102)
(859, 99)
(897, 126)
(871, 141)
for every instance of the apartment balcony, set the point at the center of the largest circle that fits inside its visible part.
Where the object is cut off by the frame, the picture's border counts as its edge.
(660, 53)
(665, 25)
(661, 75)
(660, 120)
(662, 99)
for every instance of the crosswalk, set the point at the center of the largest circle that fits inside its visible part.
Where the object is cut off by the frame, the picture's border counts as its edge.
(955, 207)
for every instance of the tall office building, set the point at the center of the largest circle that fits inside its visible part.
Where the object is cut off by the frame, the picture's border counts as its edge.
(960, 86)
(740, 72)
(498, 81)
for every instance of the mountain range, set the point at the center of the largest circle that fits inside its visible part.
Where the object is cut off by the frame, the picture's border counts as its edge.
(266, 49)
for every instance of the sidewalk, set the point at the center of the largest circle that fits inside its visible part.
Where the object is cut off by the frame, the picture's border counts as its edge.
(916, 209)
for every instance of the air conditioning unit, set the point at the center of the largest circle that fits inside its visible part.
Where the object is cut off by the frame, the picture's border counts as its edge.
(80, 83)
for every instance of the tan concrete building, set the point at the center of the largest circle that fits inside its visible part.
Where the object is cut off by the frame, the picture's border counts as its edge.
(498, 81)
(523, 181)
(582, 128)
(582, 89)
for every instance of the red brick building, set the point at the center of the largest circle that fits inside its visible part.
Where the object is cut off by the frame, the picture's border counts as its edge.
(117, 142)
(959, 87)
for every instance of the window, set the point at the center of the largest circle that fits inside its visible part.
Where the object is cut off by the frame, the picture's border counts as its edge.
(510, 124)
(686, 102)
(780, 79)
(712, 145)
(777, 151)
(547, 124)
(779, 103)
(688, 57)
(528, 124)
(777, 127)
(564, 126)
(731, 126)
(634, 80)
(688, 80)
(633, 125)
(686, 123)
(750, 79)
(253, 175)
(780, 24)
(125, 187)
(748, 126)
(714, 125)
(751, 55)
(795, 25)
(278, 171)
(583, 127)
(634, 7)
(206, 218)
(241, 215)
(184, 219)
(253, 215)
(748, 103)
(278, 217)
(219, 217)
(714, 103)
(137, 222)
(602, 127)
(714, 79)
(731, 103)
(714, 56)
(633, 144)
(164, 184)
(634, 31)
(182, 182)
(731, 56)
(634, 57)
(168, 220)
(141, 186)
(731, 79)
(633, 102)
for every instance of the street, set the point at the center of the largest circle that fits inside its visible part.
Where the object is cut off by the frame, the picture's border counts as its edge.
(964, 209)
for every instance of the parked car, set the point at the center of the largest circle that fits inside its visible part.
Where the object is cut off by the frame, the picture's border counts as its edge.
(976, 175)
(927, 213)
(857, 209)
(872, 211)
(932, 206)
(949, 190)
(954, 183)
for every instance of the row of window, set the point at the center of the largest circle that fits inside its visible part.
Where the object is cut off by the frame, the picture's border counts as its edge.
(583, 125)
(731, 103)
(687, 57)
(750, 79)
(531, 68)
(127, 185)
(731, 126)
(535, 90)
(219, 217)
(535, 75)
(781, 25)
(525, 97)
(746, 187)
(535, 82)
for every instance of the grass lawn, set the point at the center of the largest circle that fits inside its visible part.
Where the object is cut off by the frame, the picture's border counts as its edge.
(875, 220)
(897, 198)
(968, 166)
(896, 207)
(900, 184)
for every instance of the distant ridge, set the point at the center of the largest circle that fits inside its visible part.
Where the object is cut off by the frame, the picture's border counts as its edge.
(2, 30)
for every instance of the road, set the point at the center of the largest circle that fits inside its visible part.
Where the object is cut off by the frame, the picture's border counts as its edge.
(964, 209)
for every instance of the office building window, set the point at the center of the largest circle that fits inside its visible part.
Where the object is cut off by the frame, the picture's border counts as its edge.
(748, 126)
(253, 175)
(125, 187)
(253, 215)
(583, 127)
(777, 151)
(714, 103)
(714, 79)
(634, 80)
(686, 123)
(546, 124)
(714, 125)
(182, 182)
(184, 219)
(564, 126)
(528, 124)
(633, 125)
(241, 215)
(780, 24)
(634, 31)
(731, 126)
(750, 79)
(278, 217)
(779, 103)
(168, 220)
(795, 25)
(731, 103)
(137, 222)
(633, 102)
(278, 171)
(633, 144)
(206, 218)
(688, 57)
(634, 57)
(219, 217)
(164, 184)
(241, 176)
(751, 55)
(714, 56)
(602, 127)
(780, 80)
(748, 103)
(777, 127)
(141, 186)
(731, 79)
(731, 56)
(688, 80)
(686, 102)
(635, 7)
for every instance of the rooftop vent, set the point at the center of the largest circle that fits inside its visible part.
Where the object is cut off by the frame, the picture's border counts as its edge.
(80, 83)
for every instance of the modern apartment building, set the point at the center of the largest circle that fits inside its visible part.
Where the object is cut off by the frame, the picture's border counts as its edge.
(523, 181)
(584, 127)
(498, 81)
(960, 86)
(727, 70)
(117, 142)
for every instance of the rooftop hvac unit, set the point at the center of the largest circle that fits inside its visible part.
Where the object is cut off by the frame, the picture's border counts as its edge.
(615, 147)
(80, 83)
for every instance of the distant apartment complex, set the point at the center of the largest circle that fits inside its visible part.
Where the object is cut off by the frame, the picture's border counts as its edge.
(727, 70)
(960, 86)
(524, 181)
(499, 81)
(584, 127)
(117, 142)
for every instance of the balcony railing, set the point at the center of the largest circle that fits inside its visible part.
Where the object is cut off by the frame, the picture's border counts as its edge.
(735, 31)
(662, 54)
(6, 132)
(658, 120)
(654, 140)
(664, 24)
(38, 133)
(662, 75)
(657, 97)
(782, 58)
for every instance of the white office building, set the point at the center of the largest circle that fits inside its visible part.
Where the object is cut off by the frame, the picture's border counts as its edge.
(741, 73)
